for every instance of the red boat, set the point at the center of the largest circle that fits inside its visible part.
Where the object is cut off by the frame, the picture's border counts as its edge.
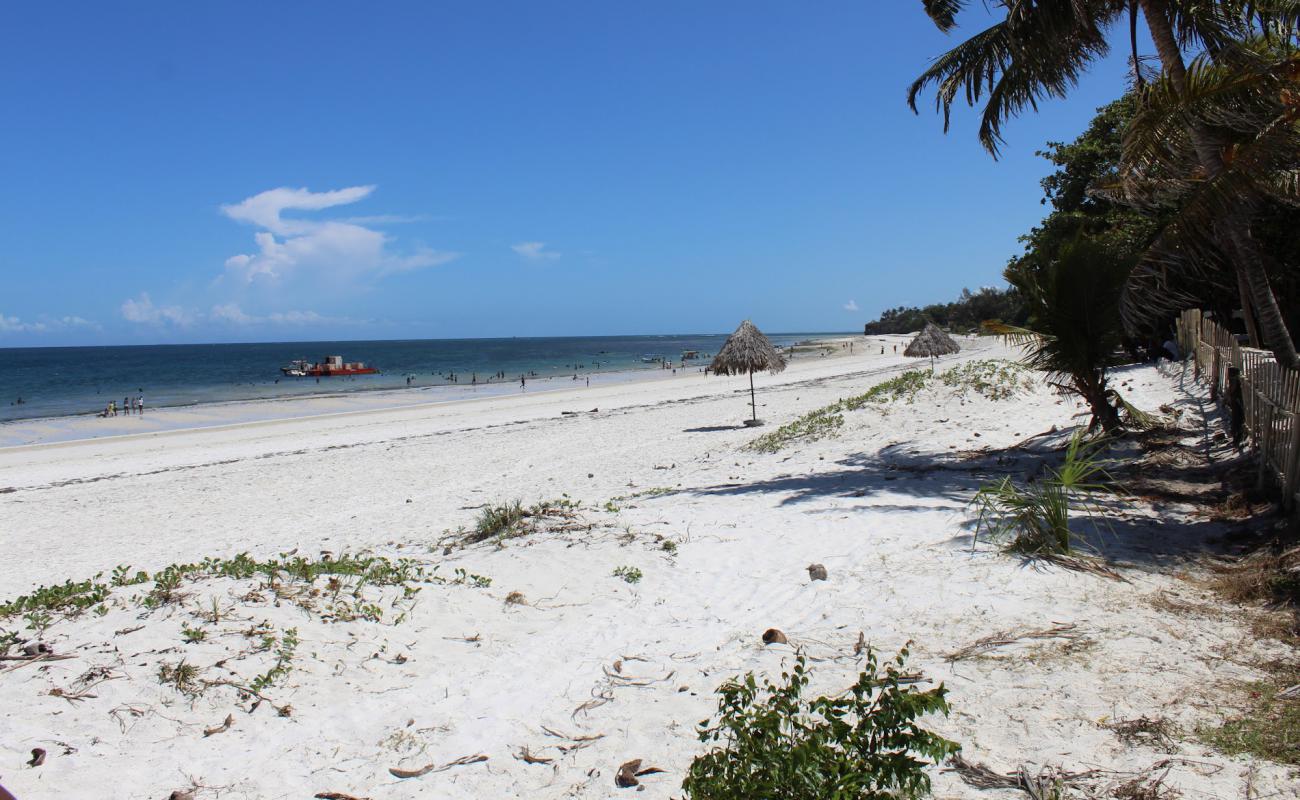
(331, 366)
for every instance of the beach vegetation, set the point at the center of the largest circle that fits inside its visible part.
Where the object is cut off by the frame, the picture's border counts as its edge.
(669, 547)
(507, 520)
(68, 597)
(1268, 726)
(181, 676)
(771, 740)
(995, 379)
(193, 635)
(122, 576)
(499, 521)
(470, 579)
(826, 421)
(628, 574)
(283, 664)
(1034, 519)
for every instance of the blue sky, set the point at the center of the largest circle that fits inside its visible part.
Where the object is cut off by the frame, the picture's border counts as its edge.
(184, 172)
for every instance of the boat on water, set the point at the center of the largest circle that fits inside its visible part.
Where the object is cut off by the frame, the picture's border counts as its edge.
(651, 358)
(330, 367)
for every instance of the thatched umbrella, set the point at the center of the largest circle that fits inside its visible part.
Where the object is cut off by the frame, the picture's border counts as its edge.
(931, 342)
(747, 350)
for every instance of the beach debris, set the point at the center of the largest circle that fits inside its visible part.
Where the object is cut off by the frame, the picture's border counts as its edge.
(1003, 638)
(32, 649)
(579, 741)
(1047, 782)
(816, 572)
(516, 599)
(525, 755)
(425, 770)
(1290, 693)
(337, 796)
(774, 636)
(860, 646)
(38, 757)
(181, 794)
(1144, 730)
(222, 728)
(627, 774)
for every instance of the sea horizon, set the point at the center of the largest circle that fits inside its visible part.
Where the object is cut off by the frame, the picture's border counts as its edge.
(59, 381)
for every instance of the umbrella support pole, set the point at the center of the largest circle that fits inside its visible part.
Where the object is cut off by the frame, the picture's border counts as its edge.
(753, 403)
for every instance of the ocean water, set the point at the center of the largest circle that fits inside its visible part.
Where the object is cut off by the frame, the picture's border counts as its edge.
(62, 381)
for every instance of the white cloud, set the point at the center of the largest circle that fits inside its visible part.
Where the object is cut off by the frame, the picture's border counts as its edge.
(851, 306)
(43, 325)
(141, 309)
(232, 314)
(535, 251)
(340, 252)
(16, 325)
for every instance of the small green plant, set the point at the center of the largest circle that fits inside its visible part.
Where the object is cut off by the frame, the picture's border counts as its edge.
(499, 521)
(628, 574)
(38, 621)
(193, 635)
(862, 744)
(669, 547)
(470, 579)
(1035, 520)
(122, 576)
(8, 639)
(612, 504)
(283, 661)
(182, 676)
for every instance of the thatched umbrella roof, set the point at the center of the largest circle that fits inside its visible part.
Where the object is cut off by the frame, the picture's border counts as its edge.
(931, 342)
(747, 350)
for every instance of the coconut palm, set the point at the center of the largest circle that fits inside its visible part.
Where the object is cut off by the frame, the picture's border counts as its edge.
(1253, 103)
(1040, 48)
(1074, 328)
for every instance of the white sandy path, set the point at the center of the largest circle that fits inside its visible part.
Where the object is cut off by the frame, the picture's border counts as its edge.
(746, 524)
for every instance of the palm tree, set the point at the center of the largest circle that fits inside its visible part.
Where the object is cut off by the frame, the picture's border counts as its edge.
(1253, 104)
(1074, 327)
(1041, 47)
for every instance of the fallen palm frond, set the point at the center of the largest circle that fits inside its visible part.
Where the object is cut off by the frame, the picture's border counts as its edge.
(1144, 730)
(1047, 783)
(425, 770)
(1004, 638)
(525, 755)
(1083, 563)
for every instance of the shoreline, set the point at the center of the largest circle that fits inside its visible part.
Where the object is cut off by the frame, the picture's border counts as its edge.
(46, 431)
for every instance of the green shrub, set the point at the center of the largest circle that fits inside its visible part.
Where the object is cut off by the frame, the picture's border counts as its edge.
(862, 744)
(1035, 519)
(628, 574)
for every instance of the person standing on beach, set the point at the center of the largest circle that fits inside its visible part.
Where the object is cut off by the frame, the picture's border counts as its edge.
(522, 384)
(139, 405)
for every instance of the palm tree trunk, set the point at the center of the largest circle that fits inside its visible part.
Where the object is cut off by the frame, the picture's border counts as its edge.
(1234, 229)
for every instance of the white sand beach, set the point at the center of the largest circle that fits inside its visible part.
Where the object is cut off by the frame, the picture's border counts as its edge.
(581, 670)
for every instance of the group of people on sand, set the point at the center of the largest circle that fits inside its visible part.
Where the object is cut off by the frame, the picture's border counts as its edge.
(130, 405)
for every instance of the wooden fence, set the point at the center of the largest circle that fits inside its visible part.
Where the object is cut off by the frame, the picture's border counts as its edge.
(1269, 396)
